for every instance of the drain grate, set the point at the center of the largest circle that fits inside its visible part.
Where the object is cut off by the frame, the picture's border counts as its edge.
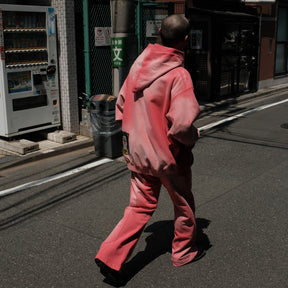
(285, 126)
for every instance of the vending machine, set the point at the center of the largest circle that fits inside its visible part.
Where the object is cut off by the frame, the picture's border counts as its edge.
(29, 89)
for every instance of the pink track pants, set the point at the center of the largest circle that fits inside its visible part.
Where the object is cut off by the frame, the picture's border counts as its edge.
(145, 189)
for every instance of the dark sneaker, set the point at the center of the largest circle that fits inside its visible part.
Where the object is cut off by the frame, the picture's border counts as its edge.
(112, 277)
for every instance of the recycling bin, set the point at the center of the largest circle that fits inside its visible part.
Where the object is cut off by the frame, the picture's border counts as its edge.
(107, 134)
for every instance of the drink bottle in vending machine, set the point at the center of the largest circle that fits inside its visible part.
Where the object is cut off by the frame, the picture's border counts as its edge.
(29, 89)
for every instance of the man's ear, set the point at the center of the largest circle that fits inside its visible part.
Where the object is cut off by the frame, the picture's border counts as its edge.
(186, 37)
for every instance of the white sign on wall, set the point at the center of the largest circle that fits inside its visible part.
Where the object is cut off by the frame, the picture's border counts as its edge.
(152, 28)
(102, 36)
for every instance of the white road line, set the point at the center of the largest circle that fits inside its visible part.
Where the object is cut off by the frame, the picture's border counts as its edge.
(106, 160)
(54, 177)
(229, 119)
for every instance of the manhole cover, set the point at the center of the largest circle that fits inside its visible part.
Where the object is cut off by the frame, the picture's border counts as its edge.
(285, 126)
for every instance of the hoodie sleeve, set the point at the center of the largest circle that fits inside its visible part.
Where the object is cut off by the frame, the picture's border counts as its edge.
(183, 110)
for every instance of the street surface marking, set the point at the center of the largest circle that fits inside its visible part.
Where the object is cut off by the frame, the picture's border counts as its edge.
(106, 160)
(229, 119)
(55, 177)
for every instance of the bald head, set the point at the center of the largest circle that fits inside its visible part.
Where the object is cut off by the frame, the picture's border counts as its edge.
(174, 30)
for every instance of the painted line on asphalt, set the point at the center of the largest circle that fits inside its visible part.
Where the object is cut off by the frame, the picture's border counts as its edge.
(229, 119)
(54, 177)
(106, 160)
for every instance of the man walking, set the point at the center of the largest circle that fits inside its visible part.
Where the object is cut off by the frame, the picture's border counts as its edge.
(156, 107)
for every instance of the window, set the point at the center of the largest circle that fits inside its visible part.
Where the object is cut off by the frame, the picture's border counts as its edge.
(281, 63)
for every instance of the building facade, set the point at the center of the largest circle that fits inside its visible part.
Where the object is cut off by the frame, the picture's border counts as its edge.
(235, 46)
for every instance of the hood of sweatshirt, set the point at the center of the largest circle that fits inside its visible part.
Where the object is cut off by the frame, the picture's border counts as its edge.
(155, 61)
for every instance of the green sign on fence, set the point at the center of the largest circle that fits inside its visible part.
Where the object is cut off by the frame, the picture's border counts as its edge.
(118, 51)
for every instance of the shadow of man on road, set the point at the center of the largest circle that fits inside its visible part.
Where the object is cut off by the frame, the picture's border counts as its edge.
(159, 242)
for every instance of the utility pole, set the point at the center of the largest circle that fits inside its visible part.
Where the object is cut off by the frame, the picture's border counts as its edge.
(123, 40)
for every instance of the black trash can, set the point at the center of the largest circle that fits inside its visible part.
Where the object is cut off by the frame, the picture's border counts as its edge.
(107, 133)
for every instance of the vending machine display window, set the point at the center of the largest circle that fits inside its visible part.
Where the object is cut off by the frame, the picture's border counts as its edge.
(19, 81)
(26, 20)
(25, 38)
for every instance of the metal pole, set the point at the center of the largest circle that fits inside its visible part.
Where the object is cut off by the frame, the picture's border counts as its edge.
(123, 31)
(86, 46)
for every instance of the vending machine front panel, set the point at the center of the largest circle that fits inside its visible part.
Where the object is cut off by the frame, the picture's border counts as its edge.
(29, 92)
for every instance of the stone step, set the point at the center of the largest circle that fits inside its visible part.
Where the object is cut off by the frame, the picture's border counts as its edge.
(22, 146)
(60, 136)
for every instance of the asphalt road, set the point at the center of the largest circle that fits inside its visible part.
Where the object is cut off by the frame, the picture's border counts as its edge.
(50, 233)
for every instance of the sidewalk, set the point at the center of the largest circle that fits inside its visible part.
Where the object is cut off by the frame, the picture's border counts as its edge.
(49, 148)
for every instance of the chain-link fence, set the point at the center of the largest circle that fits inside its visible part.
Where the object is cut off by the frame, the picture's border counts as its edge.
(100, 56)
(149, 16)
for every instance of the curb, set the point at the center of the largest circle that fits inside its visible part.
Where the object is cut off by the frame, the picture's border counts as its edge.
(38, 155)
(207, 108)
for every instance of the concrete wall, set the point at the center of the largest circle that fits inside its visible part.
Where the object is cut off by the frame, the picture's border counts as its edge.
(64, 11)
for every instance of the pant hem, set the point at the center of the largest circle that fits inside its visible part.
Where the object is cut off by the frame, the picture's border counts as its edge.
(185, 261)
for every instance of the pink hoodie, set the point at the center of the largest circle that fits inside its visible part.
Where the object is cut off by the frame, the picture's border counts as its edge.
(157, 107)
